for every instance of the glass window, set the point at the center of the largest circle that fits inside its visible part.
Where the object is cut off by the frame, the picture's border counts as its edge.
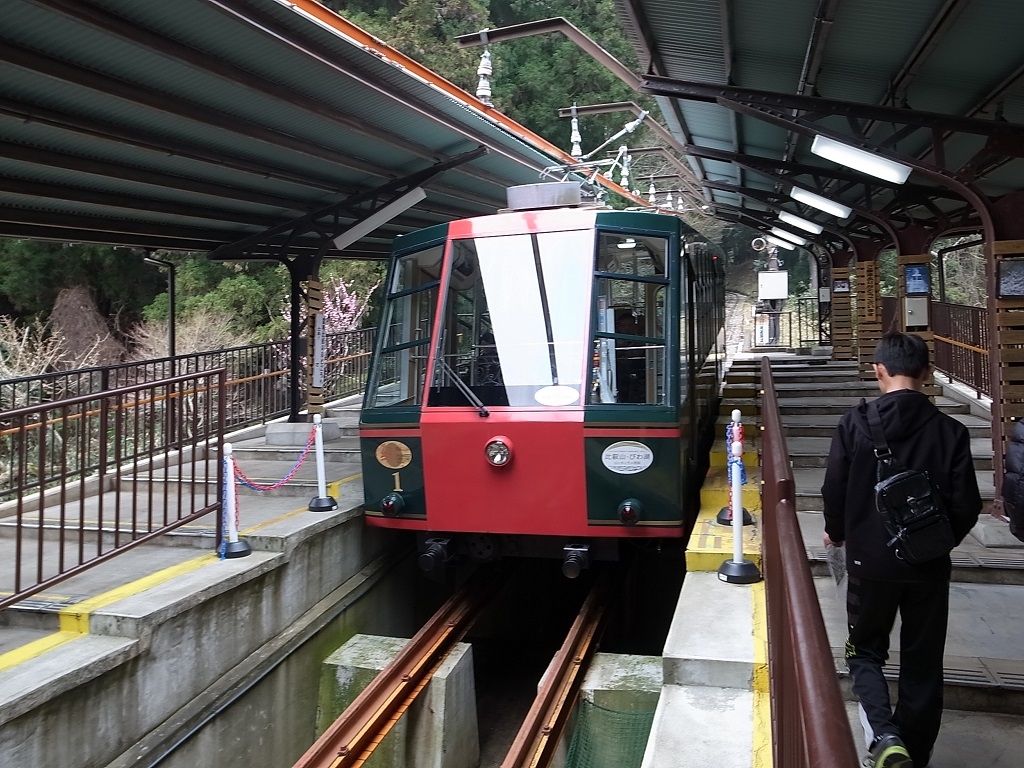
(515, 321)
(629, 336)
(398, 376)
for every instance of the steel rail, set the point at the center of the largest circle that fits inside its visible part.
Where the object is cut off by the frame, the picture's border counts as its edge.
(535, 744)
(352, 737)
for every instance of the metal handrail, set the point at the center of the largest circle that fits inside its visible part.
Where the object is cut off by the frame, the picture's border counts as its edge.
(68, 462)
(258, 376)
(809, 724)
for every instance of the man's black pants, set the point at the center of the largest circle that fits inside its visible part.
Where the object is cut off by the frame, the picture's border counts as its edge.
(871, 608)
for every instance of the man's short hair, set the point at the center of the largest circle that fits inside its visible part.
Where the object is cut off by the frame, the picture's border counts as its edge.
(902, 354)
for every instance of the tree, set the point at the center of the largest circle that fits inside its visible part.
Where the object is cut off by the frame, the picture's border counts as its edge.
(122, 284)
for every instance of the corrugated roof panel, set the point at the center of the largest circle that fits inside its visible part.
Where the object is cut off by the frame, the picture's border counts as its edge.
(868, 44)
(208, 98)
(697, 55)
(166, 80)
(71, 207)
(40, 135)
(71, 184)
(769, 41)
(984, 48)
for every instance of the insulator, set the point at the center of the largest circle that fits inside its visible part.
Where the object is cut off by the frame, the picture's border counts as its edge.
(485, 69)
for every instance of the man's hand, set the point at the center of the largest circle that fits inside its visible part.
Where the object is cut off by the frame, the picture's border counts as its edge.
(828, 541)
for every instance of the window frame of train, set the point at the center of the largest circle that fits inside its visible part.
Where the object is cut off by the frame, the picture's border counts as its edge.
(408, 336)
(644, 228)
(632, 287)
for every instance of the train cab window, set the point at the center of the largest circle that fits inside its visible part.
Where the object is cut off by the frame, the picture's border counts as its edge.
(399, 374)
(514, 321)
(630, 320)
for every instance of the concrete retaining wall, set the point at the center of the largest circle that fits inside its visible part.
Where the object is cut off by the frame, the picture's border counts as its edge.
(148, 657)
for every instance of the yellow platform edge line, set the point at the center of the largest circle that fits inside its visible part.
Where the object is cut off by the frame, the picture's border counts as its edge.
(35, 648)
(711, 544)
(75, 618)
(762, 743)
(333, 490)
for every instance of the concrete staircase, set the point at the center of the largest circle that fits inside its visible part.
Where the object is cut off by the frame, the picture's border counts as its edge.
(981, 674)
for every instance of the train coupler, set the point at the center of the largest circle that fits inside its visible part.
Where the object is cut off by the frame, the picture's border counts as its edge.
(575, 559)
(436, 552)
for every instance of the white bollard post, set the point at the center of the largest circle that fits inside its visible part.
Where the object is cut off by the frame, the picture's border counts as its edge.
(322, 502)
(737, 498)
(737, 570)
(233, 547)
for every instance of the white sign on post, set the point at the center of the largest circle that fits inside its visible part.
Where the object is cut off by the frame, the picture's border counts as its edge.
(773, 284)
(319, 341)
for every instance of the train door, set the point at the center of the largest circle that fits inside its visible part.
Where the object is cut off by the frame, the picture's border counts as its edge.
(630, 326)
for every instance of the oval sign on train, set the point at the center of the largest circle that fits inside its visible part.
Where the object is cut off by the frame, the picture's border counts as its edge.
(627, 457)
(557, 394)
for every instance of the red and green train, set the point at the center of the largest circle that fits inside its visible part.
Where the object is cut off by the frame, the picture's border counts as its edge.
(545, 383)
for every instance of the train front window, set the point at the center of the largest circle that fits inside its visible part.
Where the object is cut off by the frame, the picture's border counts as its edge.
(399, 372)
(629, 334)
(515, 319)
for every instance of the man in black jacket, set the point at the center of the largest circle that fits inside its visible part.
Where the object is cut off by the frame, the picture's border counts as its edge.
(880, 582)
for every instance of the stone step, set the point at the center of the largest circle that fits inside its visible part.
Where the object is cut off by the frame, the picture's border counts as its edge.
(839, 389)
(813, 452)
(341, 449)
(824, 425)
(788, 361)
(808, 482)
(808, 376)
(795, 406)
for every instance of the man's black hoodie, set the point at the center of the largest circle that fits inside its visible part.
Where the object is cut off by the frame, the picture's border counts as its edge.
(923, 438)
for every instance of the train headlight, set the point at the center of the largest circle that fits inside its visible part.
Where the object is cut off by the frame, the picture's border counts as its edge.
(629, 511)
(498, 451)
(392, 504)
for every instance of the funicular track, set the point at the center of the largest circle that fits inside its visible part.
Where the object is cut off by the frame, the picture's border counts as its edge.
(352, 738)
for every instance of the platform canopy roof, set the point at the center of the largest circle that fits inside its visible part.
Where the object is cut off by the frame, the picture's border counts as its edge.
(198, 124)
(746, 85)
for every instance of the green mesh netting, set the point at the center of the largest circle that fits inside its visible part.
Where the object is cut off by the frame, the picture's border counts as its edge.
(604, 738)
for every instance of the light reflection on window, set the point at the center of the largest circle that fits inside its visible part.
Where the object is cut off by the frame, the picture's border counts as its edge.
(515, 319)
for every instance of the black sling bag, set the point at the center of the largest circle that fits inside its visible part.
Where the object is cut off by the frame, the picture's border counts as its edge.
(910, 507)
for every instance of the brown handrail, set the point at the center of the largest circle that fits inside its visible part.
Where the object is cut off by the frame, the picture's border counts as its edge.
(809, 724)
(111, 443)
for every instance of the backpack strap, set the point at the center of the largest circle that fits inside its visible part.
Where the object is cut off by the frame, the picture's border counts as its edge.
(877, 432)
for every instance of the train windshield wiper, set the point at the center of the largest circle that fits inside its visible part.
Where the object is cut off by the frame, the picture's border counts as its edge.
(460, 385)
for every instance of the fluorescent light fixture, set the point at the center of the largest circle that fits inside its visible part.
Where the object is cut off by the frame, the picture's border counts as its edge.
(629, 242)
(789, 236)
(385, 214)
(779, 242)
(860, 160)
(795, 221)
(821, 203)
